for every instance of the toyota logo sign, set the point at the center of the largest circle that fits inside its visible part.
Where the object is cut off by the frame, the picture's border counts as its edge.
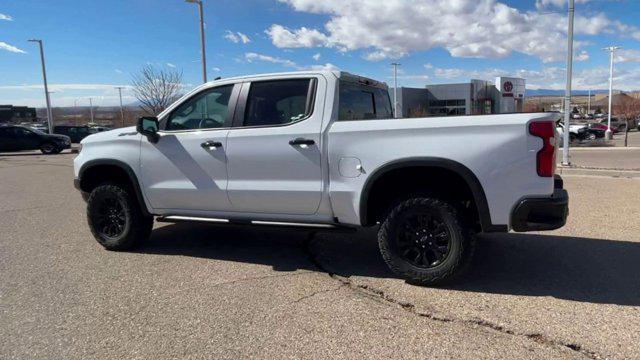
(507, 86)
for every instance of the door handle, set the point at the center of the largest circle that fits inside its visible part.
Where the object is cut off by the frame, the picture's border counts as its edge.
(211, 144)
(301, 141)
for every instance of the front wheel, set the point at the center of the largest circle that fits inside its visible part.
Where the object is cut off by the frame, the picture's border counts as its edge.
(425, 241)
(115, 218)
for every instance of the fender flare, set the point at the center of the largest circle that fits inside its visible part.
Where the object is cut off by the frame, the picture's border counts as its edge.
(127, 169)
(467, 175)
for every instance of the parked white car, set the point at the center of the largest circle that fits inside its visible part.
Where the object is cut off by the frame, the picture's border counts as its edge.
(321, 150)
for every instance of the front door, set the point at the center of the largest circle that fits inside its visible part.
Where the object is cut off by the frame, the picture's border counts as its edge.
(187, 168)
(273, 150)
(26, 139)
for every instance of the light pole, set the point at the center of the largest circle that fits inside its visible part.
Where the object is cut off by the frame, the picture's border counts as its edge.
(91, 109)
(121, 110)
(204, 57)
(567, 92)
(611, 50)
(46, 88)
(589, 103)
(395, 89)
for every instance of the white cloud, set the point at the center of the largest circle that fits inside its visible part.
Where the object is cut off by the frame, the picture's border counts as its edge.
(428, 66)
(316, 57)
(57, 100)
(541, 4)
(466, 28)
(382, 54)
(118, 71)
(61, 87)
(303, 37)
(251, 56)
(627, 55)
(5, 17)
(325, 67)
(582, 56)
(11, 48)
(216, 69)
(451, 73)
(236, 37)
(411, 77)
(170, 65)
(552, 77)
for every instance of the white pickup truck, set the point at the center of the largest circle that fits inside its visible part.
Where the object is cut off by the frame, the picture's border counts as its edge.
(322, 150)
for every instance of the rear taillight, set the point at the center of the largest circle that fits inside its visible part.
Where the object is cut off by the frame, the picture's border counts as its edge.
(546, 157)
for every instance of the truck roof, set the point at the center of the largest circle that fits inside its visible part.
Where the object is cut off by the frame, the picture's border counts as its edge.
(343, 75)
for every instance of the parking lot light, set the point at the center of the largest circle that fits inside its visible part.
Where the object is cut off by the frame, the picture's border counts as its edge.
(204, 57)
(567, 93)
(46, 88)
(611, 50)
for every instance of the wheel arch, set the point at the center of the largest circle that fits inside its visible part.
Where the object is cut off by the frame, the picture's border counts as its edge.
(436, 163)
(119, 171)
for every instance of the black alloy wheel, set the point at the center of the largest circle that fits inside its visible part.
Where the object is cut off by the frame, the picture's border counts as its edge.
(425, 240)
(115, 217)
(111, 218)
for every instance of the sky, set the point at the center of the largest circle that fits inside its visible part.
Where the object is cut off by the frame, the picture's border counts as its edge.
(93, 46)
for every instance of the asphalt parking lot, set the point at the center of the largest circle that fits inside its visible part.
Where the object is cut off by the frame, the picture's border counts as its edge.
(196, 291)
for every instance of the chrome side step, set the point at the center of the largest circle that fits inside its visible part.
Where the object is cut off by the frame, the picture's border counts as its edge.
(178, 218)
(281, 223)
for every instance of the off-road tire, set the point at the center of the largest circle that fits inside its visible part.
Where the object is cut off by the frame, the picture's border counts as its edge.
(461, 242)
(137, 226)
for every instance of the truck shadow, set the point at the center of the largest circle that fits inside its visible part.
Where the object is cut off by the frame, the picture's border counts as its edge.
(564, 267)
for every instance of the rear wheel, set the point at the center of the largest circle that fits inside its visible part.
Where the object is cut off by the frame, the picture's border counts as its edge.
(425, 241)
(572, 138)
(115, 218)
(49, 148)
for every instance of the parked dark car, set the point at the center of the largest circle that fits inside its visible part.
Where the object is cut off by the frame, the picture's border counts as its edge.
(620, 125)
(15, 138)
(603, 127)
(76, 133)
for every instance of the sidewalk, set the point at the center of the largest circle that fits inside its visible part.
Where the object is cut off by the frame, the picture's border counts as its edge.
(612, 161)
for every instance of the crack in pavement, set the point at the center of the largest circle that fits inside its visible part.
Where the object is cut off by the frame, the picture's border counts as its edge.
(236, 281)
(380, 295)
(318, 292)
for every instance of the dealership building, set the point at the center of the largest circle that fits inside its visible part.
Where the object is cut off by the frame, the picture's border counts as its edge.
(504, 95)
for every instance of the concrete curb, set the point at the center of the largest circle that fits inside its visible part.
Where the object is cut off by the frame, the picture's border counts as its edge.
(601, 148)
(598, 172)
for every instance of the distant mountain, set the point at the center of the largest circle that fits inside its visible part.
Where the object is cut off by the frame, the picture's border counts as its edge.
(550, 92)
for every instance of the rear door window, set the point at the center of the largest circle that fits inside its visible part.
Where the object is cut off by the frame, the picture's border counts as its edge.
(278, 102)
(361, 102)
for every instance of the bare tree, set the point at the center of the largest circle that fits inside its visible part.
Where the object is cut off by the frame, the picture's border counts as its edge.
(156, 89)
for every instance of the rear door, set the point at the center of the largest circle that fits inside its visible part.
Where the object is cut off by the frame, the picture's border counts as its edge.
(273, 149)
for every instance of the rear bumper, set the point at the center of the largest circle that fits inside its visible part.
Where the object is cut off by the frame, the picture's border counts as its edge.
(542, 213)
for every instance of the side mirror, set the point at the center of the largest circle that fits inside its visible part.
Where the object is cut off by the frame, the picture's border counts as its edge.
(148, 126)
